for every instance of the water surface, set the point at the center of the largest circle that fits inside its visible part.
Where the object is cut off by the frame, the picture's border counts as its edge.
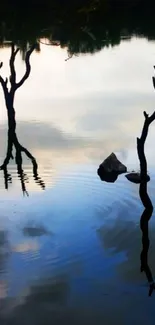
(71, 252)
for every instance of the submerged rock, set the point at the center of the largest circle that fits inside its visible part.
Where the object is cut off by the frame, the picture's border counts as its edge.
(110, 168)
(136, 178)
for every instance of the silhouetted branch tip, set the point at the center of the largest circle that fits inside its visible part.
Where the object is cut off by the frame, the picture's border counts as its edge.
(17, 50)
(12, 47)
(152, 287)
(12, 67)
(14, 51)
(4, 86)
(2, 80)
(33, 47)
(145, 114)
(1, 64)
(25, 193)
(151, 118)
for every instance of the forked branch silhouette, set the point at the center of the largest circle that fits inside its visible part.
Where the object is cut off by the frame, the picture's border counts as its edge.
(9, 95)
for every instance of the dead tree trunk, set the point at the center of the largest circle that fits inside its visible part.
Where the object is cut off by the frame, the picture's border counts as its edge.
(9, 96)
(148, 207)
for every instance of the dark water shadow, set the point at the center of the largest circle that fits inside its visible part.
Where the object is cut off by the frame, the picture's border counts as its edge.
(146, 201)
(13, 142)
(5, 251)
(36, 230)
(44, 302)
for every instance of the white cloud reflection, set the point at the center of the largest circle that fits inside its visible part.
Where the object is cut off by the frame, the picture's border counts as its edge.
(81, 110)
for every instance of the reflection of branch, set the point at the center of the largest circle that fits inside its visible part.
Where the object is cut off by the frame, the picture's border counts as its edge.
(70, 56)
(7, 178)
(12, 137)
(21, 172)
(9, 95)
(4, 84)
(147, 213)
(37, 179)
(13, 141)
(28, 67)
(12, 67)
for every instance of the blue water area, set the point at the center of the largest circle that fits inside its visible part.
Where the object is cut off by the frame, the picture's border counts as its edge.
(74, 250)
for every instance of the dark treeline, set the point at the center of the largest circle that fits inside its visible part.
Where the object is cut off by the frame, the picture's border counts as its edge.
(80, 25)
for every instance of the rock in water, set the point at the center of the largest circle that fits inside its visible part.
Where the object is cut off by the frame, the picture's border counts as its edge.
(112, 164)
(136, 178)
(111, 167)
(107, 177)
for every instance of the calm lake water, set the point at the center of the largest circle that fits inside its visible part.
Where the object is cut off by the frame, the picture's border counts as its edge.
(70, 254)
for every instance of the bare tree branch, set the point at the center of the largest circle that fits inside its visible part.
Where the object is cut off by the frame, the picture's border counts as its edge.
(28, 67)
(148, 207)
(4, 84)
(28, 154)
(143, 163)
(12, 66)
(12, 137)
(147, 122)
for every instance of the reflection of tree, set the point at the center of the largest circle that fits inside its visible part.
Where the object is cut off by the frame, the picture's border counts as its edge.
(80, 26)
(9, 96)
(119, 237)
(148, 207)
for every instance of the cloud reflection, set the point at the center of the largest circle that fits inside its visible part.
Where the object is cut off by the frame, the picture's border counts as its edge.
(45, 139)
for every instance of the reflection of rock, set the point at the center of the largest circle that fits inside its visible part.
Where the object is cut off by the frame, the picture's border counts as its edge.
(135, 178)
(35, 231)
(111, 168)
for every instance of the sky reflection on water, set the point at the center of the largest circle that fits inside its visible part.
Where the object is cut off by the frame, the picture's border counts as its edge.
(91, 105)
